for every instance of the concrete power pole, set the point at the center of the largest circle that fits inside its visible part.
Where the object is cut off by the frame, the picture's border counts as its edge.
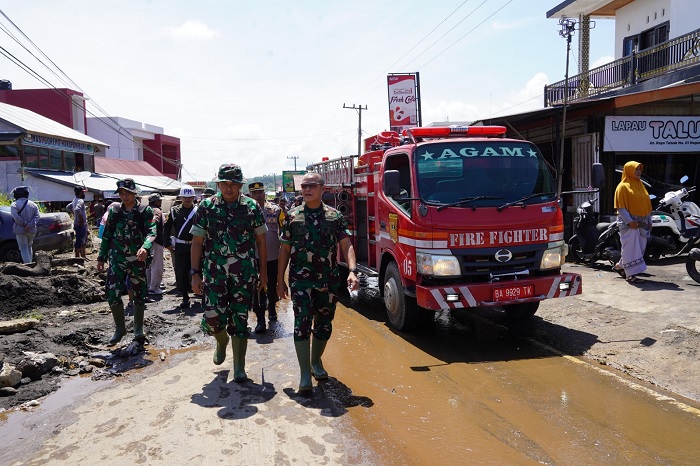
(359, 126)
(293, 157)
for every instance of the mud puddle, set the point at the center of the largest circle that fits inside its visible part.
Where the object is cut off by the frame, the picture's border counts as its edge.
(468, 391)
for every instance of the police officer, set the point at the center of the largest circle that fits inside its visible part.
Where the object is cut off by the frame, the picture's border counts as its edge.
(228, 228)
(267, 299)
(128, 236)
(310, 236)
(177, 229)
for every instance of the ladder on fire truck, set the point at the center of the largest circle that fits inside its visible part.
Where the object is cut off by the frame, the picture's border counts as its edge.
(337, 172)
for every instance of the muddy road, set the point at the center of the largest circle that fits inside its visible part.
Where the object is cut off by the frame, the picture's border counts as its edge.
(610, 376)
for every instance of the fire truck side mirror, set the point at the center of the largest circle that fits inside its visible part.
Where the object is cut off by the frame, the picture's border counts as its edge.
(597, 176)
(392, 183)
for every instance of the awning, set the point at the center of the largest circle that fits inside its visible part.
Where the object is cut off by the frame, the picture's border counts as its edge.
(106, 185)
(40, 127)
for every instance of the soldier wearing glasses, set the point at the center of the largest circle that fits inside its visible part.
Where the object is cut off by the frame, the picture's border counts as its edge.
(128, 236)
(228, 227)
(310, 237)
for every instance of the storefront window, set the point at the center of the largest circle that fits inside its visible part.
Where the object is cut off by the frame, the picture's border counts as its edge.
(55, 159)
(31, 161)
(9, 151)
(69, 161)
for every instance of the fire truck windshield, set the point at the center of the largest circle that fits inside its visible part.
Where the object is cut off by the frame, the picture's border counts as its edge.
(497, 171)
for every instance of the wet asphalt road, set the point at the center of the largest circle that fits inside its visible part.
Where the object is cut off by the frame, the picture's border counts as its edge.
(470, 390)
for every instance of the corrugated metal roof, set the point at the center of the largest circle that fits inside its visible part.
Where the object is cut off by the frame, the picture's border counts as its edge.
(130, 167)
(37, 124)
(107, 184)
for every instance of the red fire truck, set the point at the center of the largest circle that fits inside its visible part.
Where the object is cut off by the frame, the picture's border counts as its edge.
(453, 217)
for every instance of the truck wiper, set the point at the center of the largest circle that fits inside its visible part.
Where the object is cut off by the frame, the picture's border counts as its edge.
(465, 200)
(521, 201)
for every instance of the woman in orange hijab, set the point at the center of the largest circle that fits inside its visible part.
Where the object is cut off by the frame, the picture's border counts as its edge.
(634, 217)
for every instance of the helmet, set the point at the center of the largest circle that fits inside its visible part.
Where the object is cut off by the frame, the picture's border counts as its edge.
(187, 191)
(153, 198)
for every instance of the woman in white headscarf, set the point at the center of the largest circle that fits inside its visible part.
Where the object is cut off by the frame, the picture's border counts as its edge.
(634, 217)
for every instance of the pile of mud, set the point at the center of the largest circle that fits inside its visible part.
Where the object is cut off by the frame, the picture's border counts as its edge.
(21, 296)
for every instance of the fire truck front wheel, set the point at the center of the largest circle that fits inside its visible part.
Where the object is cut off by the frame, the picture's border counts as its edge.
(522, 311)
(402, 310)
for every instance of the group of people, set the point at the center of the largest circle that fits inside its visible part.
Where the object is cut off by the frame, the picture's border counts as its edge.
(234, 250)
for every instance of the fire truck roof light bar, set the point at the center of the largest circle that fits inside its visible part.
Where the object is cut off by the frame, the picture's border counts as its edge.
(454, 131)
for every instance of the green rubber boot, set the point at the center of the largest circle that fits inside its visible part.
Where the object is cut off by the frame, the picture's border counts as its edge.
(303, 349)
(239, 346)
(221, 344)
(139, 309)
(120, 327)
(317, 349)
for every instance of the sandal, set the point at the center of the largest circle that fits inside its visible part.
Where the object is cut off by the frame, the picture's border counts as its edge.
(634, 279)
(620, 272)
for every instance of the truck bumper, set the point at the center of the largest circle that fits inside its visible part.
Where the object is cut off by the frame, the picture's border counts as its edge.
(482, 294)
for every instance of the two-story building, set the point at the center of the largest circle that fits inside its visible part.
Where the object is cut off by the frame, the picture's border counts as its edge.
(48, 138)
(643, 106)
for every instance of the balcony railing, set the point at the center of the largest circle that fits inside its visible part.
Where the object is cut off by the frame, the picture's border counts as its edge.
(671, 55)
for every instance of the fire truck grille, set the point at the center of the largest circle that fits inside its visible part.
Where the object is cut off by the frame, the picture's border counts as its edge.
(480, 265)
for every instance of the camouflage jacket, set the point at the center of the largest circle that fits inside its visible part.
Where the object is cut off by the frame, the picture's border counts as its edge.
(313, 235)
(228, 229)
(127, 231)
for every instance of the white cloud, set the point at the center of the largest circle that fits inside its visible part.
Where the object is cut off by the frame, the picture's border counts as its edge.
(448, 111)
(529, 97)
(191, 30)
(602, 61)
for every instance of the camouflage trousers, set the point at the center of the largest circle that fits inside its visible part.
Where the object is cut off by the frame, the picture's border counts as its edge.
(315, 306)
(121, 267)
(228, 295)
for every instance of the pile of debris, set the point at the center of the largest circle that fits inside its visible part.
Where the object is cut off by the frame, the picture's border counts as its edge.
(47, 282)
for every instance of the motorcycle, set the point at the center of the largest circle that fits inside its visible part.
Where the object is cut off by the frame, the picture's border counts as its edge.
(594, 240)
(691, 264)
(673, 234)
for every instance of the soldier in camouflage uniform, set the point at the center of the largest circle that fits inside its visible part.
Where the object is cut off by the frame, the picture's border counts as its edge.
(128, 236)
(228, 227)
(310, 237)
(267, 299)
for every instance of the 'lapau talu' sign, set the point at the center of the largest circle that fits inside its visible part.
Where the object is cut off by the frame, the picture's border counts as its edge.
(652, 134)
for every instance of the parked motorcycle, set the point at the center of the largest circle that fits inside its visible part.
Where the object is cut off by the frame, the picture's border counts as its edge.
(691, 264)
(593, 240)
(674, 225)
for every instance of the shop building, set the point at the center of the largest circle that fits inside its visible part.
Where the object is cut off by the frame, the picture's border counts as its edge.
(643, 106)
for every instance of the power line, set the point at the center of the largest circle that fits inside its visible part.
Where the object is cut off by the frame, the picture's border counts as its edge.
(465, 35)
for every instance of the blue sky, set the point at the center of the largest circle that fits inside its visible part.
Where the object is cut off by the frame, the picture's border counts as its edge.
(257, 82)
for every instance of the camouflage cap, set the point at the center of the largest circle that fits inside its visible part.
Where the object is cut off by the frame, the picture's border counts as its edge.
(127, 184)
(257, 186)
(230, 172)
(208, 192)
(154, 197)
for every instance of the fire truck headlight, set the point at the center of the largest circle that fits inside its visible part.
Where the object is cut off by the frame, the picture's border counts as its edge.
(438, 266)
(554, 258)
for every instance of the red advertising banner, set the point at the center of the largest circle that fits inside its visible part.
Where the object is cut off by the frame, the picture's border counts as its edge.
(403, 101)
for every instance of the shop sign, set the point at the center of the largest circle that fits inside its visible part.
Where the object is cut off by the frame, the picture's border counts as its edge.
(50, 142)
(652, 134)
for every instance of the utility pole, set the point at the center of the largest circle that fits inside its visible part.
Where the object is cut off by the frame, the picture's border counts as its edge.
(293, 157)
(568, 26)
(359, 126)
